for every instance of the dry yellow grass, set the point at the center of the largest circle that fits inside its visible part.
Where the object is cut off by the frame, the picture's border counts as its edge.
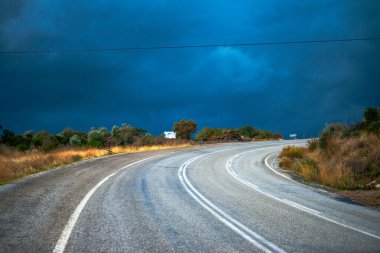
(131, 149)
(15, 164)
(348, 163)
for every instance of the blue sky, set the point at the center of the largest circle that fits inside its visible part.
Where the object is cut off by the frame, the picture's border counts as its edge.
(286, 88)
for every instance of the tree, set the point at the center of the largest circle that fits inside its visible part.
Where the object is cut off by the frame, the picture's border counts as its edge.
(66, 134)
(116, 134)
(82, 136)
(97, 138)
(248, 132)
(23, 142)
(7, 137)
(371, 115)
(75, 140)
(185, 129)
(264, 134)
(277, 136)
(126, 134)
(372, 120)
(208, 133)
(230, 135)
(45, 141)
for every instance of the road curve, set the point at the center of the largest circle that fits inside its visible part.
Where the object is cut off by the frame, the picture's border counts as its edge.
(220, 198)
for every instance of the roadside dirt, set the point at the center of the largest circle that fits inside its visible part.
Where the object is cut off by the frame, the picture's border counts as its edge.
(368, 198)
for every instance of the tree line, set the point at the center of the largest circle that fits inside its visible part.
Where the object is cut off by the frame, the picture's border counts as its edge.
(97, 137)
(245, 133)
(125, 135)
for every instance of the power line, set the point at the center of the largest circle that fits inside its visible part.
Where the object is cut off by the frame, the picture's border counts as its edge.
(189, 46)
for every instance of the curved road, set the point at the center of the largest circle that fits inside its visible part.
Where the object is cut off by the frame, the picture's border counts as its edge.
(221, 198)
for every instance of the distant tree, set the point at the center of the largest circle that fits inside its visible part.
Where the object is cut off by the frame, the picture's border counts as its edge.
(45, 141)
(116, 134)
(185, 129)
(230, 135)
(126, 134)
(75, 140)
(66, 134)
(264, 134)
(23, 142)
(136, 131)
(98, 138)
(82, 136)
(371, 115)
(248, 132)
(95, 139)
(277, 136)
(372, 120)
(8, 137)
(28, 134)
(206, 133)
(374, 127)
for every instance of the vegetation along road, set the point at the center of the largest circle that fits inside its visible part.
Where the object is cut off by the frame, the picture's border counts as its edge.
(218, 198)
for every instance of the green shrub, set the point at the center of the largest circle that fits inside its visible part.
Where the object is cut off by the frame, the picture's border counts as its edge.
(248, 132)
(75, 140)
(293, 152)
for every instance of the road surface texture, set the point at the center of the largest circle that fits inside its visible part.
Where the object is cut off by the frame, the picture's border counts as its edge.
(220, 198)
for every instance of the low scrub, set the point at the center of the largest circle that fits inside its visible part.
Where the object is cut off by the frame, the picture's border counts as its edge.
(350, 163)
(344, 157)
(16, 164)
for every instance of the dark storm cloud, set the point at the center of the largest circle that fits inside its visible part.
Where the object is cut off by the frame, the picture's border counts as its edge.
(286, 88)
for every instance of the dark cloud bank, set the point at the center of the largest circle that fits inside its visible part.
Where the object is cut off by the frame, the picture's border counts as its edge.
(287, 88)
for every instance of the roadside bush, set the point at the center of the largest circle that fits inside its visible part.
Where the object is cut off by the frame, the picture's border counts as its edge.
(330, 131)
(292, 152)
(308, 169)
(285, 162)
(312, 144)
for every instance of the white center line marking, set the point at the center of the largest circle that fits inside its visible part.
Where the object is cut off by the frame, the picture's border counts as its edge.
(288, 202)
(254, 238)
(65, 235)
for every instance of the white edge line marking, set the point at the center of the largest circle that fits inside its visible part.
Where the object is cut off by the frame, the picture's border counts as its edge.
(282, 175)
(221, 215)
(65, 235)
(300, 206)
(295, 205)
(275, 171)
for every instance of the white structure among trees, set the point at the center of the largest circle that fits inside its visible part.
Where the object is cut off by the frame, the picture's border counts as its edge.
(170, 135)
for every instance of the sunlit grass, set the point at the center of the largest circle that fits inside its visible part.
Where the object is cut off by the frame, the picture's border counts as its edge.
(15, 164)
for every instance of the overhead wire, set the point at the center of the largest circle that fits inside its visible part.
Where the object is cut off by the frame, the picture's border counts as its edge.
(268, 43)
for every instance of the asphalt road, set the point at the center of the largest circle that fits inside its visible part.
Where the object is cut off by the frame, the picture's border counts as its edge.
(223, 198)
